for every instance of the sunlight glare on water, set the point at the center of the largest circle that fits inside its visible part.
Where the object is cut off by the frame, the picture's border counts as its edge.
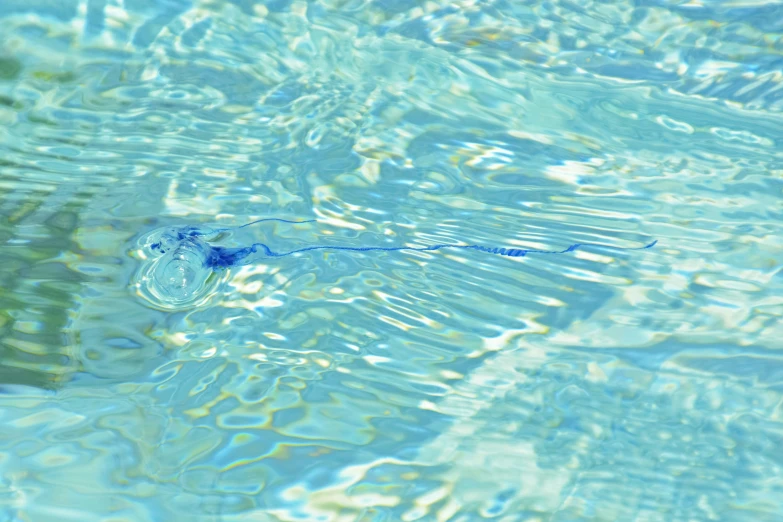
(337, 386)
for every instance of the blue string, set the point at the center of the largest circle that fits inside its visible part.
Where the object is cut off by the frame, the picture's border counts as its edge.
(222, 257)
(217, 257)
(265, 219)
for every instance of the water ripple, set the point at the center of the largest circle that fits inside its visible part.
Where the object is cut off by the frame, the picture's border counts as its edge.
(425, 386)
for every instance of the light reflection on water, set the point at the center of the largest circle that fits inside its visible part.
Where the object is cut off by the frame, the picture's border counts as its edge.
(382, 387)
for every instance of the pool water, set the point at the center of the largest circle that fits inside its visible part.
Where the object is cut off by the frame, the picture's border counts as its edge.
(451, 385)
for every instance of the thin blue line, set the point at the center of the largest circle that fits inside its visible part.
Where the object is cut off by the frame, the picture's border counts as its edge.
(261, 221)
(218, 257)
(510, 252)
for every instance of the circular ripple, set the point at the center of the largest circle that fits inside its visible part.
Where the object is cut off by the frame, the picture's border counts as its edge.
(172, 275)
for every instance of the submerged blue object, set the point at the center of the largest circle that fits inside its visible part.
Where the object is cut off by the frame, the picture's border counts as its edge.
(188, 254)
(222, 257)
(180, 272)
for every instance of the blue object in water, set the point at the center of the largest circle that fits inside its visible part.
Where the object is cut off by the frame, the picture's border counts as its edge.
(191, 257)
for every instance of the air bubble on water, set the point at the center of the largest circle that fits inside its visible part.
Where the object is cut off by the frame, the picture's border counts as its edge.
(181, 274)
(173, 275)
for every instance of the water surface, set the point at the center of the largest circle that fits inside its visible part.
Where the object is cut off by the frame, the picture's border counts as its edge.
(438, 386)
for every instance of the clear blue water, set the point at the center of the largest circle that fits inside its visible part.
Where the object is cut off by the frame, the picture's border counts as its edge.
(601, 385)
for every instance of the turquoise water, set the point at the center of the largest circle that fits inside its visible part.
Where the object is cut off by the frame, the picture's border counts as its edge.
(600, 385)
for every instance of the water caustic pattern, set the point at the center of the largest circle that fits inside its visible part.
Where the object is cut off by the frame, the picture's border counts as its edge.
(451, 385)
